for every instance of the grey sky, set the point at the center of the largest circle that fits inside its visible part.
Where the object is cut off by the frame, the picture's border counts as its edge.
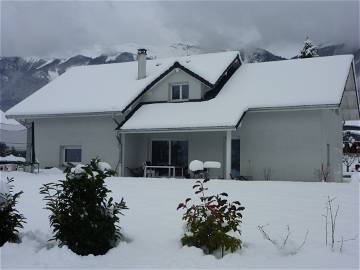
(53, 28)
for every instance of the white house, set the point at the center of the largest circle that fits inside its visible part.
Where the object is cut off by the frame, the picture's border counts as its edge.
(276, 120)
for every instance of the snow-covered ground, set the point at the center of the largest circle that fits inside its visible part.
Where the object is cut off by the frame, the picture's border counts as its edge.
(153, 227)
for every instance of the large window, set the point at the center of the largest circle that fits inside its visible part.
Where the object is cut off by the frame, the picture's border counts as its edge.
(235, 158)
(71, 154)
(170, 153)
(180, 92)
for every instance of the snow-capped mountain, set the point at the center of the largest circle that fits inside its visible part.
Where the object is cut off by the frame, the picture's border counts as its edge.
(20, 77)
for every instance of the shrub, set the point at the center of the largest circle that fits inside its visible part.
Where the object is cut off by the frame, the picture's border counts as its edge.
(82, 216)
(10, 219)
(214, 224)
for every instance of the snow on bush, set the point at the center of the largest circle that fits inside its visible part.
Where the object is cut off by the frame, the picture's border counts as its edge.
(82, 216)
(104, 166)
(214, 224)
(10, 219)
(77, 170)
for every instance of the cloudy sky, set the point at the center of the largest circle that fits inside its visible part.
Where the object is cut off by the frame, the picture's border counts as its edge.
(63, 28)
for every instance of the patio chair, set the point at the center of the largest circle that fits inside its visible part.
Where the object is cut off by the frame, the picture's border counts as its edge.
(139, 171)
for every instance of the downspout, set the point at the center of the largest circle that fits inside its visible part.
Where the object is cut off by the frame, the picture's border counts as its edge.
(33, 157)
(118, 139)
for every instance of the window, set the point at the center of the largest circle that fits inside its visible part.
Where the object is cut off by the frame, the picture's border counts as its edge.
(169, 152)
(72, 154)
(235, 158)
(180, 92)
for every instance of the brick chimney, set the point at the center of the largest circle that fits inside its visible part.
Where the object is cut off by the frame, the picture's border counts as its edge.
(141, 58)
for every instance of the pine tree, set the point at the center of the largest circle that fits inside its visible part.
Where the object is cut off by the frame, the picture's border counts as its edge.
(309, 50)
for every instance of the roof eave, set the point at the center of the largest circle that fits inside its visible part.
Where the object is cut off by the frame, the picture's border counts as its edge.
(58, 115)
(180, 129)
(295, 108)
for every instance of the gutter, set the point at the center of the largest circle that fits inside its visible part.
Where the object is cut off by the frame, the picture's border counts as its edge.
(183, 129)
(294, 108)
(61, 115)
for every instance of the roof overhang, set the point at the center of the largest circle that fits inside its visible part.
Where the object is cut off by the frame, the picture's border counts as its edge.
(182, 129)
(87, 114)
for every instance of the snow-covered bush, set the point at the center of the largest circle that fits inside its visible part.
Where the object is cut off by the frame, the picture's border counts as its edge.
(214, 224)
(82, 215)
(10, 219)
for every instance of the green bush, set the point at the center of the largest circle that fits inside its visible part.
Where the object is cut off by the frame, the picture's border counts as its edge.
(10, 219)
(210, 223)
(82, 217)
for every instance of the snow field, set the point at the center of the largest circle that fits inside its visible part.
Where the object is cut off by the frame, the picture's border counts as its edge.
(153, 227)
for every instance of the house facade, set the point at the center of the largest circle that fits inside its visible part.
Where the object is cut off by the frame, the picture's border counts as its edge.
(261, 121)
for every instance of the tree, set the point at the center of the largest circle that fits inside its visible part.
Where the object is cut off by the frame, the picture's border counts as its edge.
(348, 160)
(309, 50)
(10, 219)
(82, 215)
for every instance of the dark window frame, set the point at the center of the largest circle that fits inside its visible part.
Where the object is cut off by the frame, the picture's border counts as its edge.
(65, 155)
(183, 86)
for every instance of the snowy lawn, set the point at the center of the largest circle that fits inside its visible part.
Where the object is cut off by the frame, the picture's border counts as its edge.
(153, 227)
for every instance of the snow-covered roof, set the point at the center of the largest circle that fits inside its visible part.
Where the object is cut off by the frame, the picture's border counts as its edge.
(9, 124)
(289, 83)
(111, 87)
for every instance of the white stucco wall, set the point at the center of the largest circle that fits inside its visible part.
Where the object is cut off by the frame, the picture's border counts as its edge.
(293, 144)
(161, 91)
(95, 135)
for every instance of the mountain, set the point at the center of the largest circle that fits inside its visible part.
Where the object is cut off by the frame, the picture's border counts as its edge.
(20, 77)
(256, 55)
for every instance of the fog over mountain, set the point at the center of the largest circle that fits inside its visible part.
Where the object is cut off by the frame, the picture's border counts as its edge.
(67, 28)
(42, 39)
(22, 76)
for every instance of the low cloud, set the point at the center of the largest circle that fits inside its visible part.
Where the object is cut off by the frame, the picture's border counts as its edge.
(66, 27)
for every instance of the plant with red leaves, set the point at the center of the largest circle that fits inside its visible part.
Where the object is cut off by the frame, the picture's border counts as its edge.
(209, 223)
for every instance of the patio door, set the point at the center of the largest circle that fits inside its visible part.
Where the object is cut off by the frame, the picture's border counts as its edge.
(160, 155)
(170, 153)
(235, 158)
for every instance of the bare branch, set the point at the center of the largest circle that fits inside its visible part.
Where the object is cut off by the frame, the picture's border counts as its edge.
(287, 236)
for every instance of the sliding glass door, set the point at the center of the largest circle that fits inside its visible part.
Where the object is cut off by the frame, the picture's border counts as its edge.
(179, 153)
(160, 153)
(235, 158)
(170, 153)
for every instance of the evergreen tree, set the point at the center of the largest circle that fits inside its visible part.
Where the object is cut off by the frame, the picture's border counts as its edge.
(309, 50)
(82, 215)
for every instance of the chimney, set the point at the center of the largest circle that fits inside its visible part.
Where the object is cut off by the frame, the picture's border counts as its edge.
(141, 58)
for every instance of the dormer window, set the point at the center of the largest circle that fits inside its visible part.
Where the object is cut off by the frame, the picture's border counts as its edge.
(180, 92)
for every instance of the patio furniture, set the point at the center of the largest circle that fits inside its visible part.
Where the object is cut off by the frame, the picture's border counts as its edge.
(171, 170)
